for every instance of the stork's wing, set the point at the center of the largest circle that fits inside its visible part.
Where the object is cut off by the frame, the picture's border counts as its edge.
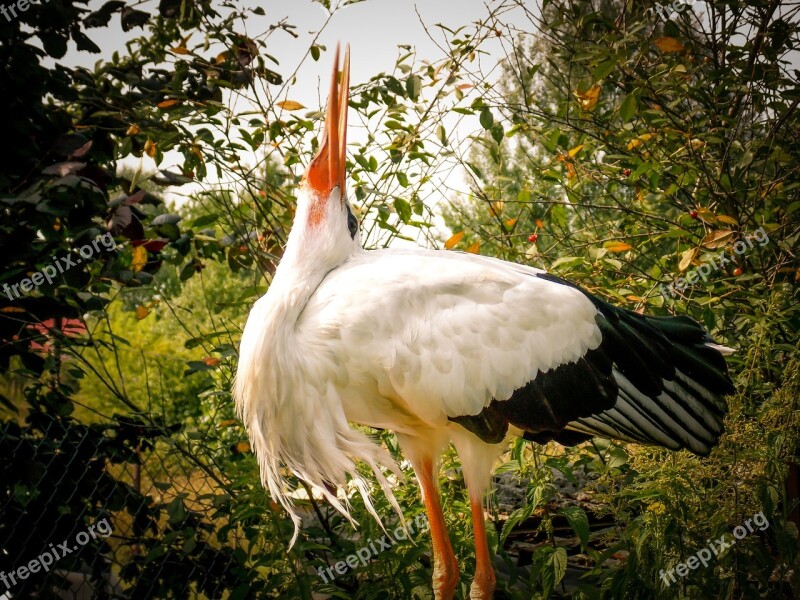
(487, 343)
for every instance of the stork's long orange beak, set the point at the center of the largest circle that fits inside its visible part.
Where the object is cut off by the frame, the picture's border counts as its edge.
(326, 171)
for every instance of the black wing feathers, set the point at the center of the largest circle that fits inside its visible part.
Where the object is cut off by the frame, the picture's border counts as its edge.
(652, 380)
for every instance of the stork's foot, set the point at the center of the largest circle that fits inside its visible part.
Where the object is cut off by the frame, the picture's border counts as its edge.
(482, 587)
(445, 579)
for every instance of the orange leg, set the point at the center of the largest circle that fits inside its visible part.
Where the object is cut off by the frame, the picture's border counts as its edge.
(483, 584)
(445, 567)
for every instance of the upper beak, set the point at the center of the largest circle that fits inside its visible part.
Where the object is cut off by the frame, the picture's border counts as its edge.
(326, 171)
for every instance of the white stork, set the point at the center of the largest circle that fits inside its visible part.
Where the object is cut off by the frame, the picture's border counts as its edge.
(444, 347)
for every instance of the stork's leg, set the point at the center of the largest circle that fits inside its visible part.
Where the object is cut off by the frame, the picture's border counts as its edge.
(482, 587)
(445, 567)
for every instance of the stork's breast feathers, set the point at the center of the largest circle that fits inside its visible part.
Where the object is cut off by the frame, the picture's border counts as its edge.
(443, 332)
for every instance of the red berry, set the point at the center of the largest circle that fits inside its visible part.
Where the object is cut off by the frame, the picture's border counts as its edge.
(532, 238)
(737, 271)
(693, 214)
(626, 172)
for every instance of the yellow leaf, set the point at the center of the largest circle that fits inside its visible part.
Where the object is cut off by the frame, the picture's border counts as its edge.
(498, 206)
(139, 258)
(57, 224)
(212, 361)
(133, 130)
(727, 219)
(454, 239)
(634, 298)
(179, 50)
(167, 103)
(473, 248)
(639, 140)
(222, 57)
(570, 171)
(289, 105)
(196, 151)
(242, 447)
(717, 239)
(12, 309)
(575, 150)
(589, 98)
(668, 44)
(150, 148)
(141, 312)
(511, 222)
(616, 247)
(686, 259)
(539, 223)
(228, 423)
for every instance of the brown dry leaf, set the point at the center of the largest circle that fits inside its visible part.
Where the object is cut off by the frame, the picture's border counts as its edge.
(539, 223)
(571, 173)
(180, 50)
(228, 423)
(196, 151)
(167, 103)
(289, 105)
(212, 361)
(727, 219)
(717, 239)
(141, 312)
(668, 44)
(454, 239)
(57, 224)
(133, 129)
(615, 247)
(139, 258)
(242, 447)
(706, 216)
(686, 259)
(12, 309)
(589, 98)
(222, 57)
(150, 148)
(634, 298)
(473, 248)
(498, 206)
(511, 222)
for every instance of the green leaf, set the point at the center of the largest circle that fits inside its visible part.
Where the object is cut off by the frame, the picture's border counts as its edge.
(497, 132)
(559, 563)
(413, 86)
(403, 209)
(604, 68)
(487, 119)
(577, 519)
(314, 52)
(628, 108)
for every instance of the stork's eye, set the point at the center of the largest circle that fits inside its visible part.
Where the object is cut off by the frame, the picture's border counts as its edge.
(352, 223)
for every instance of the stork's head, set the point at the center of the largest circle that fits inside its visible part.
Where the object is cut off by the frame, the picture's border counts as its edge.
(328, 222)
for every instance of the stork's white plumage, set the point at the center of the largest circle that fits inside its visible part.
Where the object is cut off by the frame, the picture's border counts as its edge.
(441, 347)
